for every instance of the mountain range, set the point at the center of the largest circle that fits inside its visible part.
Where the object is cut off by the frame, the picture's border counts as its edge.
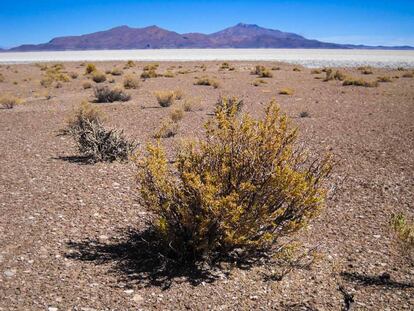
(154, 37)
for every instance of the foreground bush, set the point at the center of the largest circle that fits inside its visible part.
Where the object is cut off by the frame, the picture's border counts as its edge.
(106, 95)
(85, 111)
(243, 187)
(98, 144)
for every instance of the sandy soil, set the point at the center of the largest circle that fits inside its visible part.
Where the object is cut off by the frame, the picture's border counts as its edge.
(63, 224)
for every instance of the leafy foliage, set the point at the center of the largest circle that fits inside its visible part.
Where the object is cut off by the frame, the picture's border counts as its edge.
(242, 187)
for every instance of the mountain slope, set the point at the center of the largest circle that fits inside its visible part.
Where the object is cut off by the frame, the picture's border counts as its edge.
(153, 37)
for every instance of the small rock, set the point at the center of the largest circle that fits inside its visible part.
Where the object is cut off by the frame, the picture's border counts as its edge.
(137, 298)
(9, 273)
(128, 291)
(52, 309)
(254, 297)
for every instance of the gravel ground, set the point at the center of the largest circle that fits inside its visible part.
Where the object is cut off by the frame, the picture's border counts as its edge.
(64, 225)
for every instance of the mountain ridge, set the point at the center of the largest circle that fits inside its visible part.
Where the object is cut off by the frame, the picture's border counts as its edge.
(154, 37)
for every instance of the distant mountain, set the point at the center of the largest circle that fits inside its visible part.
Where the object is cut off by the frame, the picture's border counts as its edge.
(153, 37)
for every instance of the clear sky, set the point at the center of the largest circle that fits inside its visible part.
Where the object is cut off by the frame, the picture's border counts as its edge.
(372, 22)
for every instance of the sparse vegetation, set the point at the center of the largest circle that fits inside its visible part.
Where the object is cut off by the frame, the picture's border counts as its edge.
(316, 71)
(286, 91)
(9, 101)
(262, 72)
(408, 75)
(90, 68)
(167, 129)
(131, 81)
(359, 82)
(97, 144)
(207, 81)
(116, 72)
(229, 105)
(130, 64)
(384, 79)
(85, 111)
(177, 114)
(104, 94)
(244, 186)
(98, 77)
(258, 82)
(178, 94)
(165, 98)
(404, 230)
(73, 75)
(168, 74)
(1, 77)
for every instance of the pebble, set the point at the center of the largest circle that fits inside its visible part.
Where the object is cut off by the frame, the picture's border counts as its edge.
(128, 291)
(137, 298)
(52, 309)
(9, 273)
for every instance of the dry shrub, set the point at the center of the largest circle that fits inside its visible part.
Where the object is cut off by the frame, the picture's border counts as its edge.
(151, 67)
(207, 81)
(384, 79)
(52, 75)
(130, 64)
(258, 82)
(224, 66)
(229, 104)
(330, 75)
(97, 144)
(1, 77)
(241, 188)
(178, 94)
(104, 94)
(403, 228)
(168, 74)
(286, 91)
(90, 68)
(188, 105)
(167, 129)
(316, 71)
(296, 69)
(165, 98)
(274, 68)
(146, 74)
(408, 75)
(86, 85)
(339, 76)
(9, 101)
(85, 111)
(116, 72)
(98, 77)
(177, 115)
(359, 82)
(131, 82)
(73, 75)
(366, 70)
(262, 72)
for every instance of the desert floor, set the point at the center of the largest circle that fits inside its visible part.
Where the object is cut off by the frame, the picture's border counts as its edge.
(63, 223)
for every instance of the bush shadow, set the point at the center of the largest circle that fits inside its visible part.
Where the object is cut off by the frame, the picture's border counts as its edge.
(374, 280)
(139, 259)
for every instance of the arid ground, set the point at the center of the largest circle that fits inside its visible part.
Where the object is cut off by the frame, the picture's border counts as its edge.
(63, 223)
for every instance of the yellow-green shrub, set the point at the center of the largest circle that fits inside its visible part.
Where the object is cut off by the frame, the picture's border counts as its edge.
(403, 229)
(98, 77)
(262, 72)
(286, 91)
(167, 129)
(90, 68)
(207, 81)
(131, 82)
(243, 186)
(9, 101)
(229, 104)
(165, 98)
(176, 115)
(360, 82)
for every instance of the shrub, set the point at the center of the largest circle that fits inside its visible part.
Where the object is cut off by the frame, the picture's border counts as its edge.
(359, 82)
(286, 91)
(86, 85)
(403, 229)
(296, 69)
(85, 111)
(229, 105)
(188, 106)
(316, 71)
(130, 64)
(262, 72)
(274, 68)
(106, 95)
(178, 94)
(408, 75)
(167, 129)
(90, 68)
(207, 81)
(9, 101)
(244, 186)
(400, 68)
(131, 82)
(257, 82)
(365, 70)
(1, 77)
(168, 74)
(224, 66)
(150, 67)
(73, 75)
(339, 76)
(304, 114)
(384, 79)
(116, 72)
(165, 98)
(177, 115)
(98, 77)
(98, 144)
(146, 74)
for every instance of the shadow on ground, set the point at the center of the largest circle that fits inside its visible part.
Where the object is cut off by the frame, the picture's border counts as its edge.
(137, 260)
(84, 160)
(375, 280)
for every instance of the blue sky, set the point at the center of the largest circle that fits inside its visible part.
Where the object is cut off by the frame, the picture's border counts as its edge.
(380, 22)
